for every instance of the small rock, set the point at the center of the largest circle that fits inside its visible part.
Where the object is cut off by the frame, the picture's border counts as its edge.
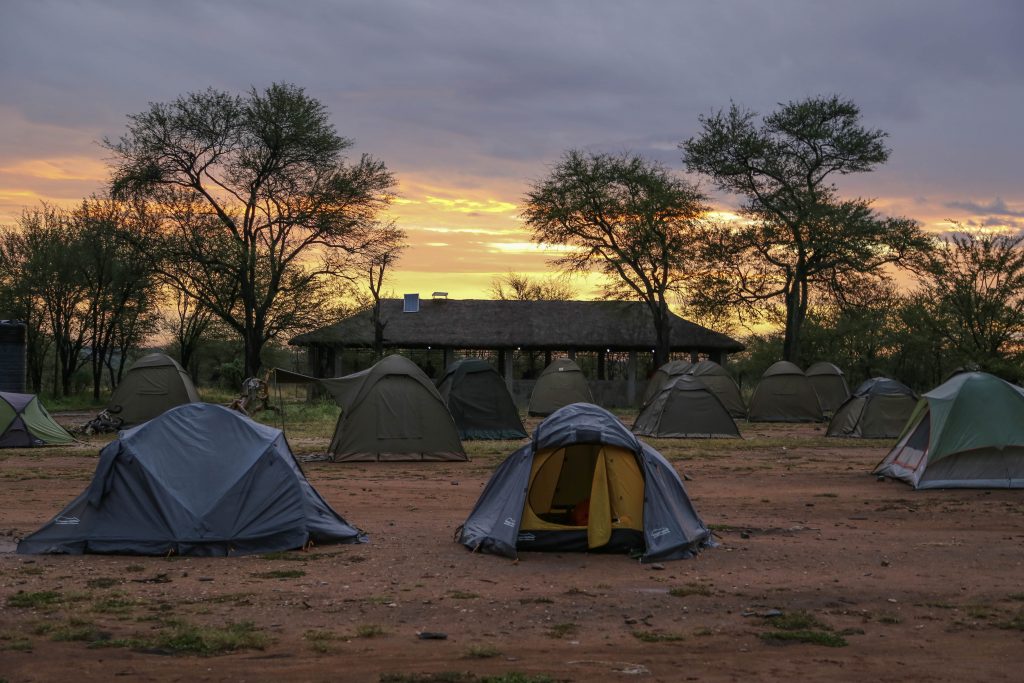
(771, 613)
(885, 563)
(744, 534)
(455, 483)
(892, 600)
(658, 566)
(206, 578)
(630, 620)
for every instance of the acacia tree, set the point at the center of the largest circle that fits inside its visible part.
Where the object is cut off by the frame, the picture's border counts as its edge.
(628, 217)
(256, 206)
(799, 235)
(374, 264)
(973, 290)
(120, 284)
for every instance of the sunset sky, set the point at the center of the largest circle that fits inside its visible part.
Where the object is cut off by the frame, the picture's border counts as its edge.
(467, 102)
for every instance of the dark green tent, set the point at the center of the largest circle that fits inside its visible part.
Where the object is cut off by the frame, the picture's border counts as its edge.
(878, 409)
(685, 409)
(560, 384)
(718, 380)
(479, 401)
(24, 422)
(784, 395)
(152, 385)
(829, 384)
(966, 433)
(662, 376)
(391, 411)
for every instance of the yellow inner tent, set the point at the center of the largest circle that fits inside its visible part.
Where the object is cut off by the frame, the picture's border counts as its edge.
(605, 479)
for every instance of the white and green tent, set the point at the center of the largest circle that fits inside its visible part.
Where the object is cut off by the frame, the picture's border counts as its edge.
(24, 422)
(966, 433)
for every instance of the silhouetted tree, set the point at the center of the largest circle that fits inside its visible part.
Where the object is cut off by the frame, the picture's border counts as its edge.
(626, 216)
(799, 235)
(255, 206)
(514, 286)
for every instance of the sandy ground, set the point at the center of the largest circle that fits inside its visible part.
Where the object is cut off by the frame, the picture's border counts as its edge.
(920, 585)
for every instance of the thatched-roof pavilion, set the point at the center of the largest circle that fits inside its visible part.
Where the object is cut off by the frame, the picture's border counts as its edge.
(508, 327)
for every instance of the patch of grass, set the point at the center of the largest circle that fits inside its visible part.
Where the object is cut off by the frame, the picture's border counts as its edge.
(321, 641)
(183, 638)
(462, 595)
(826, 495)
(656, 637)
(102, 582)
(14, 641)
(563, 630)
(280, 574)
(824, 638)
(134, 568)
(35, 600)
(77, 630)
(538, 601)
(482, 652)
(1018, 597)
(31, 570)
(380, 599)
(1014, 623)
(702, 631)
(692, 588)
(237, 598)
(889, 619)
(801, 627)
(114, 604)
(369, 631)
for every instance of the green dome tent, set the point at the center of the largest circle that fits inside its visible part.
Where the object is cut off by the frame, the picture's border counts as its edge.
(391, 411)
(199, 480)
(662, 376)
(479, 401)
(829, 384)
(152, 385)
(560, 384)
(878, 409)
(966, 433)
(24, 422)
(585, 483)
(784, 394)
(718, 380)
(685, 409)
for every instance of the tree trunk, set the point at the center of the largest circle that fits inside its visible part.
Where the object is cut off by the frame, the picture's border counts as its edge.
(796, 312)
(253, 348)
(662, 334)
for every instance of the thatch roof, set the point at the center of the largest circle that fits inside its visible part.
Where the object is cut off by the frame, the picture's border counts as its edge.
(488, 324)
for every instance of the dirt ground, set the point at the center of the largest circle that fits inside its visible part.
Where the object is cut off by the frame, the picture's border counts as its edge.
(918, 585)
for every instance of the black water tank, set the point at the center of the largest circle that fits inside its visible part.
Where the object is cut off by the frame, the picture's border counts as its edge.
(12, 356)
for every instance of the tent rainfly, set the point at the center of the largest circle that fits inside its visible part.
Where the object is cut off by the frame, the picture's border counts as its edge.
(784, 395)
(966, 433)
(685, 409)
(152, 385)
(391, 411)
(663, 376)
(198, 480)
(560, 384)
(479, 401)
(585, 483)
(878, 409)
(718, 380)
(24, 422)
(829, 384)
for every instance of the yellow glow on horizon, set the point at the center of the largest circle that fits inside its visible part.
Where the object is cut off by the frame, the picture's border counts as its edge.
(471, 206)
(530, 247)
(58, 168)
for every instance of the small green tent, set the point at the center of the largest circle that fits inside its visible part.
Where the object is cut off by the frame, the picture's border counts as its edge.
(391, 411)
(784, 395)
(663, 376)
(829, 384)
(966, 433)
(718, 380)
(560, 384)
(153, 384)
(878, 409)
(479, 401)
(685, 409)
(24, 422)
